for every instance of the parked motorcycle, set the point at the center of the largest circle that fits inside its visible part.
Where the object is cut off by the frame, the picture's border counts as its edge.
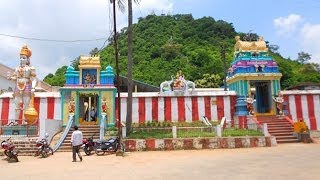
(43, 147)
(9, 150)
(109, 146)
(88, 145)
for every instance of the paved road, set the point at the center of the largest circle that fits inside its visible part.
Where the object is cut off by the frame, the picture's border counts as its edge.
(286, 161)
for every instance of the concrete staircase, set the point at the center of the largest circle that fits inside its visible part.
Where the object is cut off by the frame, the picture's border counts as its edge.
(87, 131)
(279, 127)
(25, 145)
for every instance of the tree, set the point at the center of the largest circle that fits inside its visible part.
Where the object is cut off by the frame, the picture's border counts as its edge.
(171, 50)
(130, 63)
(316, 66)
(208, 81)
(250, 36)
(94, 52)
(303, 57)
(197, 53)
(121, 6)
(274, 48)
(58, 79)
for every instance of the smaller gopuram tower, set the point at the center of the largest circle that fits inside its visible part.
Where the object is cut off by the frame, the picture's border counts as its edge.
(89, 93)
(255, 77)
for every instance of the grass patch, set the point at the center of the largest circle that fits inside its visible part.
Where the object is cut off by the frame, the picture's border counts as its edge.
(144, 133)
(188, 134)
(240, 132)
(157, 134)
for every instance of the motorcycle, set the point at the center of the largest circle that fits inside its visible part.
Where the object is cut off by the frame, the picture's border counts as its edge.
(9, 150)
(109, 146)
(43, 147)
(88, 145)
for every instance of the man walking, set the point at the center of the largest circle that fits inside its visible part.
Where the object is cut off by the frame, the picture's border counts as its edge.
(76, 142)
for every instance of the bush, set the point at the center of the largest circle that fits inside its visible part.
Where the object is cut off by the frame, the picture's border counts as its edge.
(300, 126)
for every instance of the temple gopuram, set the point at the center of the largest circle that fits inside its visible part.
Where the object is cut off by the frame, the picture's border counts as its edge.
(88, 93)
(255, 77)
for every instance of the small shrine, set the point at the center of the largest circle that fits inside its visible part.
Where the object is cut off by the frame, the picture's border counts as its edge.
(178, 85)
(255, 77)
(89, 93)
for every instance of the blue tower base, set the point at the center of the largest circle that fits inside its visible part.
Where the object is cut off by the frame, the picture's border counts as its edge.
(241, 106)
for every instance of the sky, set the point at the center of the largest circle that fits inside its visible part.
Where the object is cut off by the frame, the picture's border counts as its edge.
(59, 31)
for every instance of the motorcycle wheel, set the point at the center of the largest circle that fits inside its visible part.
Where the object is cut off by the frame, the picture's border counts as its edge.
(6, 153)
(50, 150)
(44, 154)
(99, 152)
(87, 151)
(16, 158)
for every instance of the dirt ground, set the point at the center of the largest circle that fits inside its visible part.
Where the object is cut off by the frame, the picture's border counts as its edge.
(285, 161)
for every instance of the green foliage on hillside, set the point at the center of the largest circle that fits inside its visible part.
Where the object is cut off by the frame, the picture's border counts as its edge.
(165, 44)
(168, 43)
(58, 79)
(294, 72)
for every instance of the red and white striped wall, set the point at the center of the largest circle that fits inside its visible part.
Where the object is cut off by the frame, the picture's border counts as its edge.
(48, 106)
(153, 107)
(304, 104)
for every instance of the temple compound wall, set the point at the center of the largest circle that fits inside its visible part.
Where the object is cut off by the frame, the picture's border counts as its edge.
(302, 104)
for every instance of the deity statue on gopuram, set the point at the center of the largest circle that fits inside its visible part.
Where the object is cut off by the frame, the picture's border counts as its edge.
(25, 77)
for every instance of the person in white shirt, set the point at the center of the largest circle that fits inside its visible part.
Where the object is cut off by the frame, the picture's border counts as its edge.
(76, 142)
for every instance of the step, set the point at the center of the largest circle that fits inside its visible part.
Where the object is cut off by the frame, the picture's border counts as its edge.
(287, 141)
(282, 130)
(87, 132)
(281, 133)
(271, 119)
(279, 125)
(275, 122)
(285, 137)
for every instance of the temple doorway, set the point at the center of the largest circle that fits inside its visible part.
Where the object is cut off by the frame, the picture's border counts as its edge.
(262, 96)
(88, 108)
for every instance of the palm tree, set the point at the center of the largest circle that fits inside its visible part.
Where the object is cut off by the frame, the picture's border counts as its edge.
(121, 6)
(130, 63)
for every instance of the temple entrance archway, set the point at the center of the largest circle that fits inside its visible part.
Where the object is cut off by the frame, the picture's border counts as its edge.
(88, 103)
(262, 96)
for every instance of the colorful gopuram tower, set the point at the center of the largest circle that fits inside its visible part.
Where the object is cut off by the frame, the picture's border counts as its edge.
(88, 93)
(255, 77)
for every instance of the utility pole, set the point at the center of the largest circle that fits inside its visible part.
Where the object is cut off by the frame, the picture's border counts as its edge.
(115, 35)
(223, 56)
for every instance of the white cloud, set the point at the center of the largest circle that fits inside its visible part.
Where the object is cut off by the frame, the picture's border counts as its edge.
(310, 39)
(285, 26)
(61, 20)
(155, 6)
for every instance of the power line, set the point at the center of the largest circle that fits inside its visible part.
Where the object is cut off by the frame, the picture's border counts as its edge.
(104, 43)
(51, 40)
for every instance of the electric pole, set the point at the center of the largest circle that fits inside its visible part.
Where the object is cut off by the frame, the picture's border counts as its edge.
(115, 35)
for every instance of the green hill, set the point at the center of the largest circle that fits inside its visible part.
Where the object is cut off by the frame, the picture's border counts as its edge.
(168, 43)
